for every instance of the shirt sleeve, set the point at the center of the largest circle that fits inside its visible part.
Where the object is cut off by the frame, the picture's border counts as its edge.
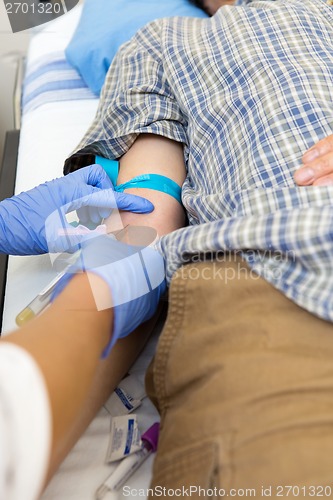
(136, 99)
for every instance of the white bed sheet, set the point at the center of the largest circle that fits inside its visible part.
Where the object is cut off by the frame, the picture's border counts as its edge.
(48, 135)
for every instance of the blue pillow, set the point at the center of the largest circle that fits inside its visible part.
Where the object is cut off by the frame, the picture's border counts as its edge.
(106, 24)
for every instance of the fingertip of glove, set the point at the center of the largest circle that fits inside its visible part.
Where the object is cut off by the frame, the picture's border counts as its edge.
(98, 177)
(146, 207)
(150, 206)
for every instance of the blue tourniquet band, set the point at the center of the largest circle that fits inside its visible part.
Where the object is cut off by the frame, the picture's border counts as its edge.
(147, 181)
(153, 181)
(111, 167)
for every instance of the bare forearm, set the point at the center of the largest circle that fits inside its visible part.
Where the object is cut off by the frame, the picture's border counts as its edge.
(154, 155)
(66, 342)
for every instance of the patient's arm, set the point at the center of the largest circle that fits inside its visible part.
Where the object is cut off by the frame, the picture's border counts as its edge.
(68, 338)
(154, 155)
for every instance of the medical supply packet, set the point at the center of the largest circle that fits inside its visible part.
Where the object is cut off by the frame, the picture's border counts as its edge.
(127, 397)
(124, 437)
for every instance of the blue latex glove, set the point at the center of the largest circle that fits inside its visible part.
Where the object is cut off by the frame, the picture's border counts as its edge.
(34, 222)
(135, 277)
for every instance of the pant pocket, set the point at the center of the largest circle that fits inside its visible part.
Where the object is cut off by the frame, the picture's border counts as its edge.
(188, 471)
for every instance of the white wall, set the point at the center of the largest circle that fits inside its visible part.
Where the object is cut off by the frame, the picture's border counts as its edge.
(11, 45)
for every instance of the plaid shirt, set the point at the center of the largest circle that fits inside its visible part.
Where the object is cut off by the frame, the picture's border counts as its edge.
(247, 91)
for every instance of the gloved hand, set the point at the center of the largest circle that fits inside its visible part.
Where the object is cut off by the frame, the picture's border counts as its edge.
(135, 276)
(34, 222)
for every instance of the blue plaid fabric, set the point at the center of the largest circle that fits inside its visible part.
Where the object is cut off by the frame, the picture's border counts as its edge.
(247, 91)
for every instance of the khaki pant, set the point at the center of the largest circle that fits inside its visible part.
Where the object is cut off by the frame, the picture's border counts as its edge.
(243, 380)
